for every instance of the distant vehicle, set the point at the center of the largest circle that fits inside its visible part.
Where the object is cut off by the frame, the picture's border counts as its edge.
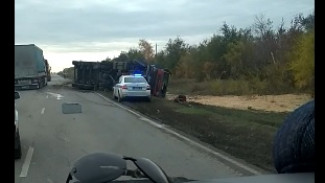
(131, 86)
(30, 67)
(17, 135)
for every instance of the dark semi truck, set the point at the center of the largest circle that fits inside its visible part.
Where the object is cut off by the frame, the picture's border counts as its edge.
(30, 67)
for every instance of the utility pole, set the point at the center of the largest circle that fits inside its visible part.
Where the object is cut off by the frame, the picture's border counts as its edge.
(156, 49)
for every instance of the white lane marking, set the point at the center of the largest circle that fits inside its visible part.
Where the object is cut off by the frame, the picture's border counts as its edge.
(155, 124)
(49, 180)
(47, 96)
(57, 95)
(43, 110)
(151, 122)
(28, 158)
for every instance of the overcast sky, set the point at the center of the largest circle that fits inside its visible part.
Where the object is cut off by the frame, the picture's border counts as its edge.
(93, 30)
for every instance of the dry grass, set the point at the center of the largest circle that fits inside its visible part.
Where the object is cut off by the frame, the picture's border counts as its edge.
(274, 103)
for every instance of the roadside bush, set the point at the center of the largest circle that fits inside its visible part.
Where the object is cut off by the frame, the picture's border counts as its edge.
(230, 87)
(180, 86)
(247, 86)
(257, 86)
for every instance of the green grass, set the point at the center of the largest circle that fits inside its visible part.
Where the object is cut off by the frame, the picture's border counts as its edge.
(193, 110)
(246, 134)
(234, 116)
(243, 133)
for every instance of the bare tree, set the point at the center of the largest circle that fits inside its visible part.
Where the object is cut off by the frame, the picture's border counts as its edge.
(146, 50)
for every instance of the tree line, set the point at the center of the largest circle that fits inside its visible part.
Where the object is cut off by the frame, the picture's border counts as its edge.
(281, 58)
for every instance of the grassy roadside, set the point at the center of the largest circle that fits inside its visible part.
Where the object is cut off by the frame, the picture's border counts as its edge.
(247, 135)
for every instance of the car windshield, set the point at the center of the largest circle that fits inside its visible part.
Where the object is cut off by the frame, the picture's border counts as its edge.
(200, 87)
(134, 80)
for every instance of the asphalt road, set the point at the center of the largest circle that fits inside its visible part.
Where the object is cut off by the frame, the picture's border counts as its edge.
(52, 141)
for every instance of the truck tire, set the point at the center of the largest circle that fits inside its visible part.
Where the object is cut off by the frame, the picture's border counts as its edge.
(18, 149)
(163, 92)
(294, 143)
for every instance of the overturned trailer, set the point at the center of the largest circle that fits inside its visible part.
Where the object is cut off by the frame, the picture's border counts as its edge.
(104, 75)
(93, 75)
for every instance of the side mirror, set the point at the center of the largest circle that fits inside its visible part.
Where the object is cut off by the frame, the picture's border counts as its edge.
(17, 95)
(154, 172)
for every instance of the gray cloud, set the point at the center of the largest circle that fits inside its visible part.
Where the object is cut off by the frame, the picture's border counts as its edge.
(68, 24)
(72, 21)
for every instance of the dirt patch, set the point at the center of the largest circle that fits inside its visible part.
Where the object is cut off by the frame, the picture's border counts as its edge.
(273, 103)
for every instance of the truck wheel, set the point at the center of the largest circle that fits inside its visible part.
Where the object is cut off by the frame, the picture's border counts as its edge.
(18, 149)
(163, 92)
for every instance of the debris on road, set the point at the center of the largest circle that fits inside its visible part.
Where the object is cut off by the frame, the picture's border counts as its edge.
(180, 99)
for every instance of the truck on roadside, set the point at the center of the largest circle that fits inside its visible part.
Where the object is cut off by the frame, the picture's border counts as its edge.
(30, 67)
